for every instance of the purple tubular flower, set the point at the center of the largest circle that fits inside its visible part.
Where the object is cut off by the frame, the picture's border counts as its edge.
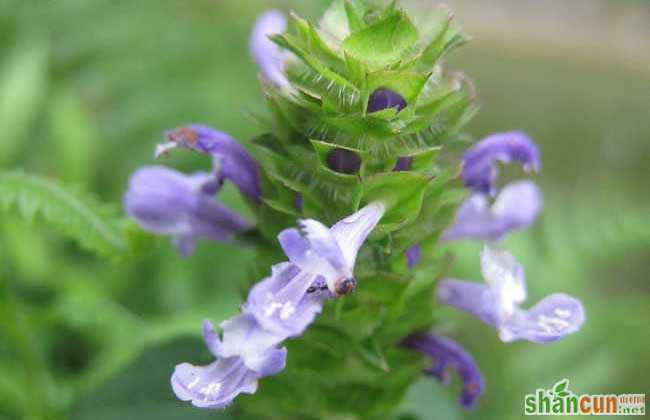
(516, 207)
(384, 98)
(344, 161)
(413, 255)
(403, 164)
(480, 171)
(497, 303)
(448, 355)
(269, 57)
(279, 307)
(331, 253)
(231, 160)
(168, 202)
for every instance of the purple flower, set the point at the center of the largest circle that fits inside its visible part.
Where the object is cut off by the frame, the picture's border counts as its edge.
(168, 202)
(231, 160)
(217, 384)
(497, 303)
(516, 207)
(403, 164)
(331, 253)
(279, 307)
(269, 57)
(480, 170)
(448, 355)
(384, 98)
(413, 255)
(344, 161)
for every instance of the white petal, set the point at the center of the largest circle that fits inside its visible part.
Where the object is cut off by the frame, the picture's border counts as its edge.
(351, 232)
(505, 276)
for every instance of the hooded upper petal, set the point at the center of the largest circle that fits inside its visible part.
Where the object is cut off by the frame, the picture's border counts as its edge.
(332, 252)
(231, 160)
(516, 207)
(506, 278)
(168, 202)
(480, 170)
(447, 355)
(268, 56)
(351, 232)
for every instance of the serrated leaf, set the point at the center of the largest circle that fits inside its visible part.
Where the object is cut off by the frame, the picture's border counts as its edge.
(384, 42)
(75, 215)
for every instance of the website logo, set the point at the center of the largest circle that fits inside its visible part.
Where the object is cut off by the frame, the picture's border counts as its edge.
(561, 401)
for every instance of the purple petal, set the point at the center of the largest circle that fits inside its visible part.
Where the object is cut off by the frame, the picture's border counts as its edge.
(268, 56)
(403, 164)
(413, 255)
(323, 243)
(215, 385)
(299, 250)
(477, 299)
(551, 319)
(211, 338)
(448, 355)
(232, 161)
(281, 303)
(516, 207)
(384, 98)
(351, 232)
(480, 171)
(244, 337)
(168, 202)
(344, 161)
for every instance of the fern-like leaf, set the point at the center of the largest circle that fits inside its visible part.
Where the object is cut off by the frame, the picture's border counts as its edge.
(81, 218)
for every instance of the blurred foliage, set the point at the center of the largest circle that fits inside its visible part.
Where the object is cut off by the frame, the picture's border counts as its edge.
(86, 88)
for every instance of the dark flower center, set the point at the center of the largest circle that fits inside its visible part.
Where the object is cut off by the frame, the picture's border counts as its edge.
(344, 161)
(403, 164)
(384, 98)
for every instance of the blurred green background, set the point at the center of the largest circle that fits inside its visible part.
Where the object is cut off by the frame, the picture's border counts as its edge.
(88, 86)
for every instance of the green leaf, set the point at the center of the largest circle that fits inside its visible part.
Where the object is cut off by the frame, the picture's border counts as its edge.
(355, 22)
(384, 42)
(76, 216)
(23, 83)
(73, 137)
(402, 194)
